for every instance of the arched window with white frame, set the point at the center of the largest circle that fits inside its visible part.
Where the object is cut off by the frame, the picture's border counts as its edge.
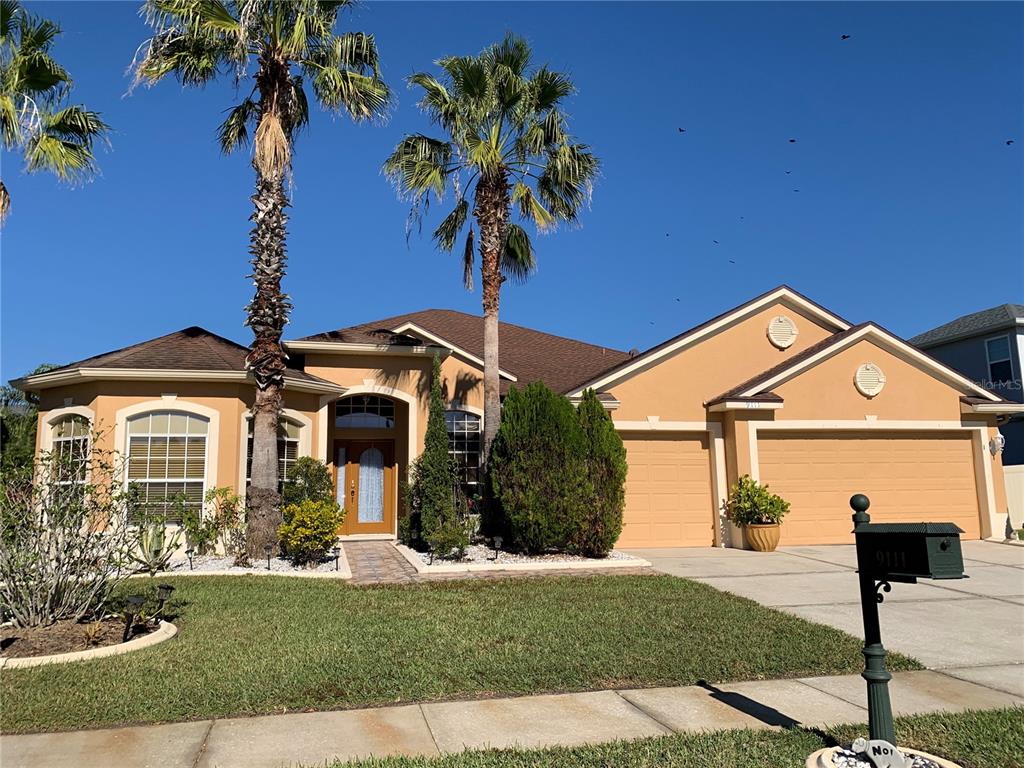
(365, 412)
(288, 433)
(69, 447)
(167, 461)
(464, 446)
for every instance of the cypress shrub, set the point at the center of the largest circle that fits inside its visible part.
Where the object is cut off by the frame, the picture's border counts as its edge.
(433, 514)
(605, 457)
(537, 470)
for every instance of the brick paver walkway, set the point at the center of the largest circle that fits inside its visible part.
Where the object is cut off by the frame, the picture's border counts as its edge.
(378, 562)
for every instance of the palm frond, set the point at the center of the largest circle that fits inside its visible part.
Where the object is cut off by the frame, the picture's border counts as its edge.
(234, 131)
(517, 261)
(549, 88)
(419, 165)
(530, 208)
(5, 202)
(467, 261)
(448, 230)
(64, 143)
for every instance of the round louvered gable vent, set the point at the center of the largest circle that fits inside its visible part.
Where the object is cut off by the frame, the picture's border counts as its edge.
(782, 331)
(869, 379)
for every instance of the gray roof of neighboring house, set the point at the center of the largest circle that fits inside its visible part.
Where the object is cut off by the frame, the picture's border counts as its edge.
(974, 324)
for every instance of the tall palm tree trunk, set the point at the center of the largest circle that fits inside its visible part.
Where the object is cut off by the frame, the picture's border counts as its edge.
(268, 311)
(491, 211)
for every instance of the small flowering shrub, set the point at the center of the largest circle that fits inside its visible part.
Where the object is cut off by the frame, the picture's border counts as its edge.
(309, 530)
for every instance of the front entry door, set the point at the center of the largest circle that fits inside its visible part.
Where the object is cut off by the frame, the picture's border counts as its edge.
(365, 482)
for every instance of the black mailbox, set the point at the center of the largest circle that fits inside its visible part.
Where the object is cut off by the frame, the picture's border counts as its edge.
(909, 551)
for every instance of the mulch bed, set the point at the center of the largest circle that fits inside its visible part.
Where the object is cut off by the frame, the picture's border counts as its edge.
(64, 637)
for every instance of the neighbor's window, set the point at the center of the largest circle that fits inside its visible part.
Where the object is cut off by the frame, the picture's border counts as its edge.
(464, 447)
(70, 447)
(365, 412)
(167, 458)
(287, 451)
(999, 367)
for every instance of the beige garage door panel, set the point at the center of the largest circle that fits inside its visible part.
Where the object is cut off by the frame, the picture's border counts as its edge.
(909, 477)
(668, 491)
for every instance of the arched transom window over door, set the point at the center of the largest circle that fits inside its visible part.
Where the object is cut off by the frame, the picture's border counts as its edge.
(365, 412)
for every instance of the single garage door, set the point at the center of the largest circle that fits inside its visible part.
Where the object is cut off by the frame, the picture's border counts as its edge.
(909, 477)
(668, 491)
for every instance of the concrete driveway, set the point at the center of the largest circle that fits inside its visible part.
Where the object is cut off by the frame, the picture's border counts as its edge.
(972, 628)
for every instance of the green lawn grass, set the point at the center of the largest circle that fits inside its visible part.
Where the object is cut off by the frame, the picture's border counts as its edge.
(253, 645)
(993, 739)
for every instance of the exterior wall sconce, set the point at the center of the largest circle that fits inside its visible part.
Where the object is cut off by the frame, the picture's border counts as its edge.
(996, 445)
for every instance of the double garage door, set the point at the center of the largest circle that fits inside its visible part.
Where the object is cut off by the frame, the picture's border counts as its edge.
(909, 477)
(927, 476)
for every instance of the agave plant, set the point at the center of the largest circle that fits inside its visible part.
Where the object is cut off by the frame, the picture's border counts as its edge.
(286, 44)
(506, 150)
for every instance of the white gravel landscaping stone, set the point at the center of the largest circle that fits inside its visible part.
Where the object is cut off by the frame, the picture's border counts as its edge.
(479, 554)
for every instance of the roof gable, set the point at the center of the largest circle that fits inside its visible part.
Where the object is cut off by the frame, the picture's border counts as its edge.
(526, 354)
(826, 349)
(700, 333)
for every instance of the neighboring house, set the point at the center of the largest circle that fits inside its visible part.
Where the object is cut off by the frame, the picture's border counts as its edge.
(988, 348)
(778, 388)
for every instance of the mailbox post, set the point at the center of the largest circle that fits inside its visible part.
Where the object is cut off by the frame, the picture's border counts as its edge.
(900, 552)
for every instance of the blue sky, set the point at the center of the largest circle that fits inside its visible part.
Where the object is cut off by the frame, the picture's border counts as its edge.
(908, 211)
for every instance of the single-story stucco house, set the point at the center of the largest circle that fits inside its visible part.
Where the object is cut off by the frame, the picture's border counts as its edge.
(779, 388)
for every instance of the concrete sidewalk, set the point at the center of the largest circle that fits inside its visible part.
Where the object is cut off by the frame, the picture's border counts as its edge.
(534, 721)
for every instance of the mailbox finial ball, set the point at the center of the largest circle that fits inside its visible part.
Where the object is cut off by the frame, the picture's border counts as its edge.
(859, 502)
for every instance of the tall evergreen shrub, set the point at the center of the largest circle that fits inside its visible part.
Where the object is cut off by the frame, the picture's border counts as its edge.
(434, 518)
(605, 456)
(538, 471)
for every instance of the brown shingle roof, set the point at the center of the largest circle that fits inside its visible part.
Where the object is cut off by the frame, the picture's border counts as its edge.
(190, 349)
(527, 354)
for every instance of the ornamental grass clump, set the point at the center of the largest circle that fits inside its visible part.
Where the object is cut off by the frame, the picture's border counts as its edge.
(751, 503)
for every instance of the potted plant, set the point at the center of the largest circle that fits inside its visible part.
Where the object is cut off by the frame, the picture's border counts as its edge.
(758, 511)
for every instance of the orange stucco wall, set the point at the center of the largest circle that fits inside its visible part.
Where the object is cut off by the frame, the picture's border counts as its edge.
(230, 401)
(677, 386)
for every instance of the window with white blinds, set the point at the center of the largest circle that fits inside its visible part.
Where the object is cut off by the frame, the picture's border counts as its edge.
(287, 451)
(70, 448)
(167, 460)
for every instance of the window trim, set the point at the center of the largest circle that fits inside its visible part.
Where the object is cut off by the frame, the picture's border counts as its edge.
(1007, 359)
(172, 403)
(305, 439)
(167, 480)
(52, 417)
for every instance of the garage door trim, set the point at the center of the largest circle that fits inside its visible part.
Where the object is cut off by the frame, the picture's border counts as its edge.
(990, 521)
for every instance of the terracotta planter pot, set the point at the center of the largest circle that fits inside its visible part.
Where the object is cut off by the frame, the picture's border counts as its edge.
(762, 538)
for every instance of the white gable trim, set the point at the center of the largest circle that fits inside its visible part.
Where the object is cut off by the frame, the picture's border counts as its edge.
(895, 344)
(699, 334)
(410, 326)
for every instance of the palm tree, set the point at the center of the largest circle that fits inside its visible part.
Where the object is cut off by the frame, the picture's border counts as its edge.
(506, 146)
(290, 42)
(35, 118)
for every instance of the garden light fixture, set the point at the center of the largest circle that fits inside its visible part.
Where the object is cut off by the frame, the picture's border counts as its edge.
(135, 602)
(189, 552)
(497, 540)
(268, 549)
(336, 551)
(163, 594)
